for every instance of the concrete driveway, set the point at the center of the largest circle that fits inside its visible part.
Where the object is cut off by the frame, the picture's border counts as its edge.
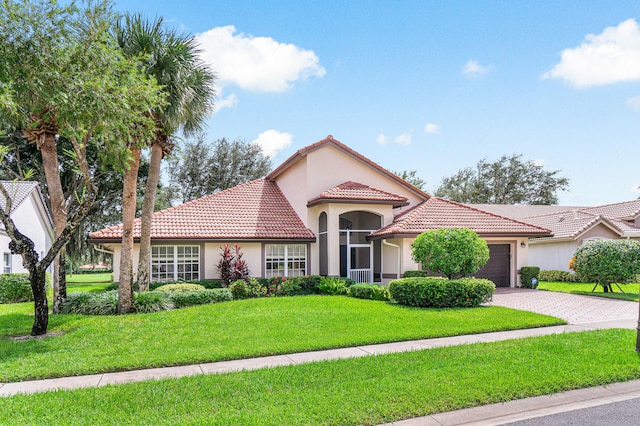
(573, 308)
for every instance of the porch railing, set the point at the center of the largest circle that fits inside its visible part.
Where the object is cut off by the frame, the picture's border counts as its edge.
(361, 275)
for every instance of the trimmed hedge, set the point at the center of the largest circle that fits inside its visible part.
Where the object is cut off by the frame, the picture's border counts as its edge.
(527, 275)
(553, 275)
(171, 288)
(415, 273)
(15, 288)
(200, 297)
(437, 292)
(369, 291)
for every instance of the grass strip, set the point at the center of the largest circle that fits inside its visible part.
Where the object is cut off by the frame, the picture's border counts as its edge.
(630, 290)
(232, 330)
(369, 390)
(89, 278)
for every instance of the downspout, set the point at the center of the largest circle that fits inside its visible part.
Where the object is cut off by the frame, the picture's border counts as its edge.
(384, 242)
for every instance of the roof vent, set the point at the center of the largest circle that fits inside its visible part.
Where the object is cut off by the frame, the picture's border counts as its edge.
(561, 218)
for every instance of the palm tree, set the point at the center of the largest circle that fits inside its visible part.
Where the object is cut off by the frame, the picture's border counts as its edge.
(188, 85)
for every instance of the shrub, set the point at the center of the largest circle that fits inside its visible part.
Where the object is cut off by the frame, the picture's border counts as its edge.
(168, 288)
(15, 288)
(231, 266)
(308, 283)
(152, 301)
(553, 275)
(239, 289)
(200, 297)
(415, 273)
(437, 292)
(455, 252)
(369, 291)
(333, 286)
(606, 262)
(527, 276)
(289, 287)
(103, 303)
(207, 283)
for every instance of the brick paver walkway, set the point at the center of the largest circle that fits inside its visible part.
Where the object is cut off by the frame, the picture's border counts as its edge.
(573, 308)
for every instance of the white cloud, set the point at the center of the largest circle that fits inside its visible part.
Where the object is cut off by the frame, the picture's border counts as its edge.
(404, 139)
(610, 57)
(229, 102)
(473, 69)
(273, 141)
(633, 104)
(382, 139)
(259, 64)
(636, 188)
(432, 128)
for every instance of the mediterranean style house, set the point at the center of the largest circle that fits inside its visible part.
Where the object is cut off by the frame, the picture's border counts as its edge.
(326, 210)
(31, 216)
(571, 226)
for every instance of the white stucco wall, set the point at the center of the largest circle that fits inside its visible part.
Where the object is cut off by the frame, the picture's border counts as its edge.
(552, 255)
(251, 253)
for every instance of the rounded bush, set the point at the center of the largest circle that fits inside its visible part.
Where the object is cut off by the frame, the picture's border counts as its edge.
(15, 288)
(453, 252)
(606, 262)
(200, 297)
(369, 291)
(239, 289)
(527, 276)
(438, 292)
(553, 275)
(180, 287)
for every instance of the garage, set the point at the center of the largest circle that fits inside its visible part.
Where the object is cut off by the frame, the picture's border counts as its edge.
(498, 268)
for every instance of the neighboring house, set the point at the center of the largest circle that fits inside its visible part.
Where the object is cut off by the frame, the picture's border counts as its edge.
(571, 227)
(326, 210)
(31, 217)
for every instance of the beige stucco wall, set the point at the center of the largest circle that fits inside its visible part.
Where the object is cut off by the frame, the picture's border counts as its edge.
(251, 253)
(600, 231)
(552, 255)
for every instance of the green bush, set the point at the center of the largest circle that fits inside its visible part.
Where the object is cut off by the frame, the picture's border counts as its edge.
(103, 303)
(152, 301)
(606, 262)
(200, 297)
(415, 273)
(527, 276)
(554, 275)
(369, 291)
(438, 292)
(289, 287)
(179, 287)
(15, 288)
(333, 286)
(239, 289)
(453, 252)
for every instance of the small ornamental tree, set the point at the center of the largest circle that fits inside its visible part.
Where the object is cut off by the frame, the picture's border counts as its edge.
(231, 267)
(607, 262)
(455, 253)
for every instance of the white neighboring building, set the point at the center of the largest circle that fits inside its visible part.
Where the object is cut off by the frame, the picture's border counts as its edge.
(31, 217)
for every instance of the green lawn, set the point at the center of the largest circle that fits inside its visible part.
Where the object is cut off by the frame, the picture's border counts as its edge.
(89, 278)
(630, 290)
(230, 330)
(368, 390)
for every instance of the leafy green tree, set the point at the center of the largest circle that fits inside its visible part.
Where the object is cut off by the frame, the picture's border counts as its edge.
(607, 262)
(63, 76)
(200, 168)
(508, 180)
(188, 85)
(412, 177)
(455, 253)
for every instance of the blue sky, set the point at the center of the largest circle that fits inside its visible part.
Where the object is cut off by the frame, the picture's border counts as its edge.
(431, 86)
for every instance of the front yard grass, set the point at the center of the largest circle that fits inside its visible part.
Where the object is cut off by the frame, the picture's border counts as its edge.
(368, 390)
(630, 290)
(231, 330)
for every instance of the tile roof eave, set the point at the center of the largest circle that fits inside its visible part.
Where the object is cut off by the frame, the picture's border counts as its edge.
(209, 240)
(323, 200)
(480, 234)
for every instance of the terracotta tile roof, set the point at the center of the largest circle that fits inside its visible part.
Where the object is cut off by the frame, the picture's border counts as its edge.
(628, 209)
(255, 210)
(517, 211)
(329, 140)
(358, 192)
(439, 213)
(18, 191)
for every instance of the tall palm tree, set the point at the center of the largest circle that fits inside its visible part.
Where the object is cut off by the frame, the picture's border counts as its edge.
(188, 85)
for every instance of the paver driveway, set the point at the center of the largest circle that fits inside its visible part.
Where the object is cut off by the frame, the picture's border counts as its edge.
(573, 308)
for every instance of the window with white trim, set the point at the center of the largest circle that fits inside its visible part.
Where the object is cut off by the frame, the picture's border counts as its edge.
(285, 260)
(175, 263)
(6, 263)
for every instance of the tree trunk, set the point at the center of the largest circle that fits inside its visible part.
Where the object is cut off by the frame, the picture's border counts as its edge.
(37, 277)
(125, 286)
(58, 211)
(148, 204)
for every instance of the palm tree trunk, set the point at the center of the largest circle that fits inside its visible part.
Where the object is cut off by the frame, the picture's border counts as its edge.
(125, 286)
(148, 204)
(56, 196)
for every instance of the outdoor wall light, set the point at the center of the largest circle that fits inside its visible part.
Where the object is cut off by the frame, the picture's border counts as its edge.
(523, 244)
